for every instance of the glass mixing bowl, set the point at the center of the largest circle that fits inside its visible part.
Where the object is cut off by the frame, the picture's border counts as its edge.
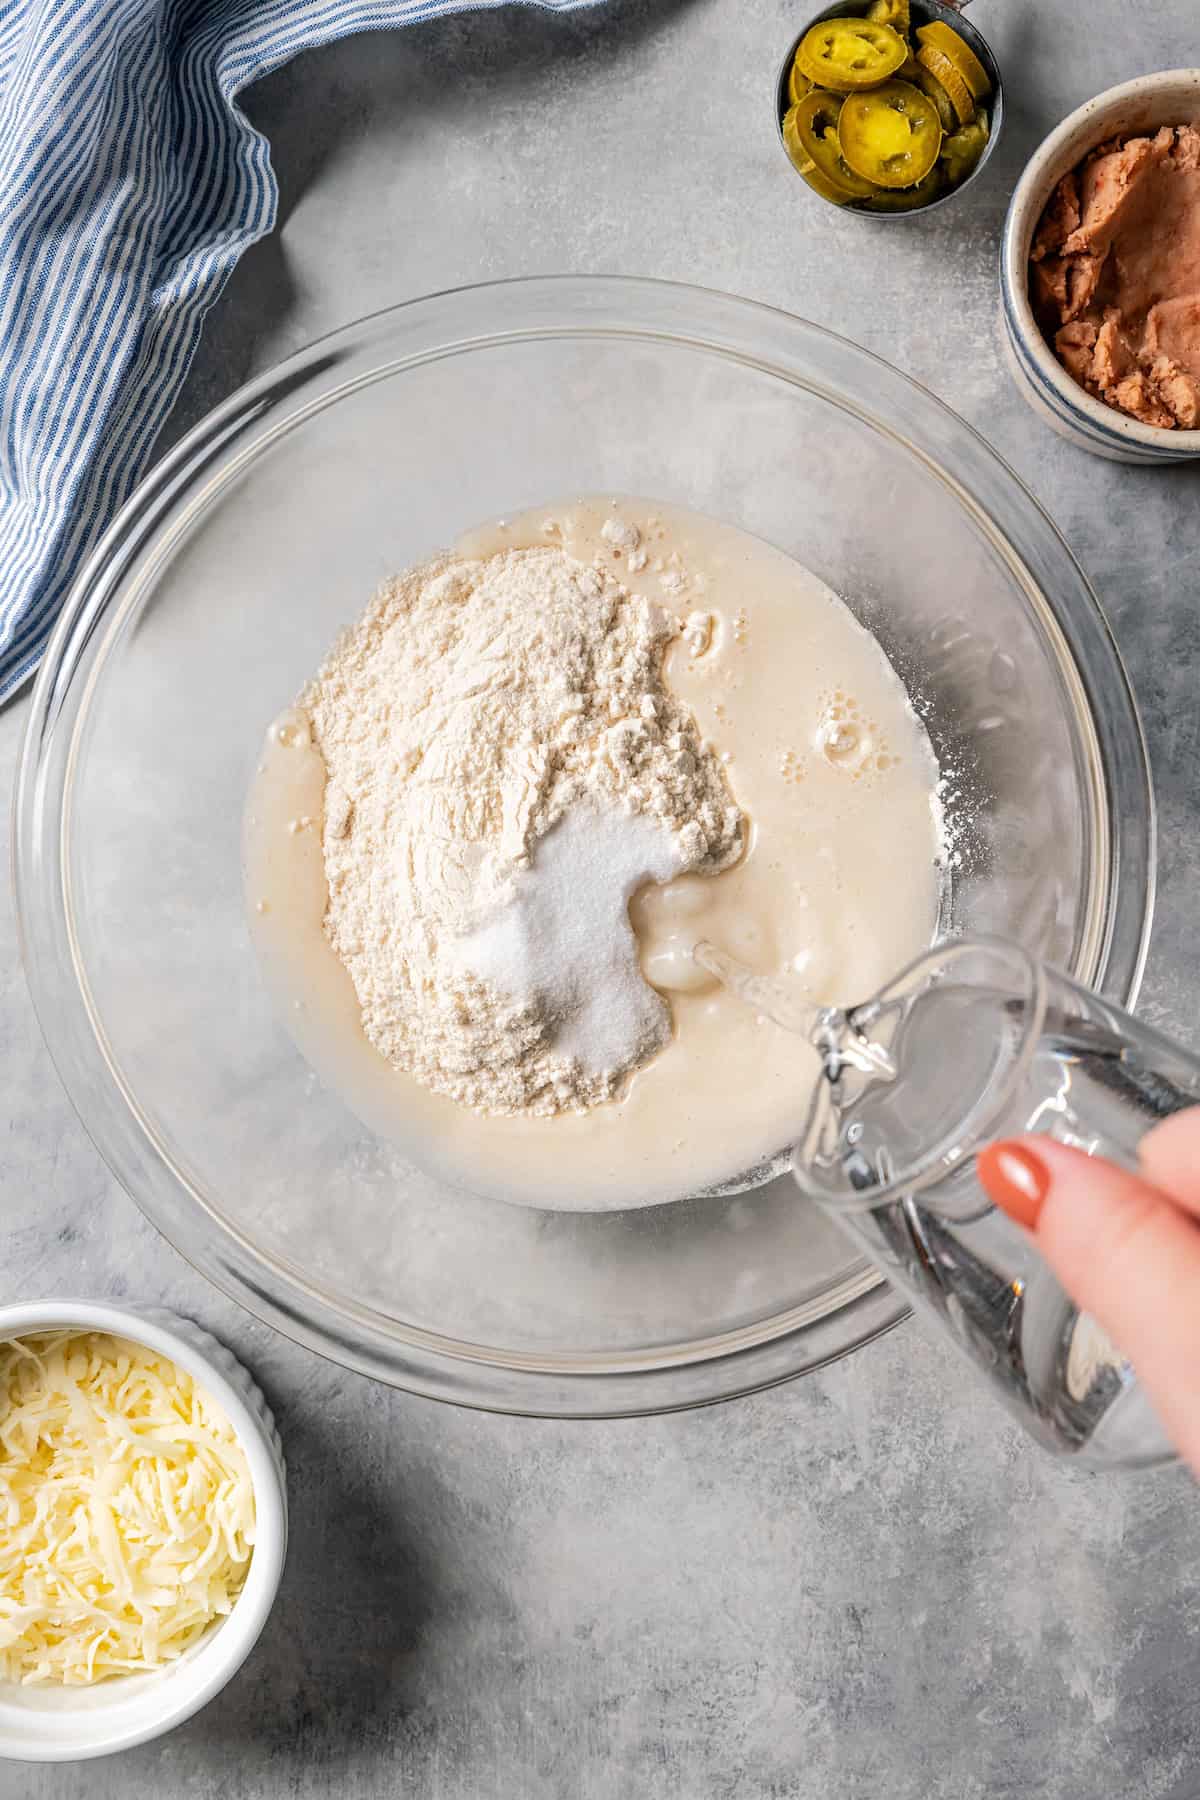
(216, 594)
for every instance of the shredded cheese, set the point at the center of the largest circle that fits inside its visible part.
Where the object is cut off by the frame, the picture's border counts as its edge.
(126, 1509)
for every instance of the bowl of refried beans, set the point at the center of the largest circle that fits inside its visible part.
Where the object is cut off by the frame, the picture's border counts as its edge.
(1100, 273)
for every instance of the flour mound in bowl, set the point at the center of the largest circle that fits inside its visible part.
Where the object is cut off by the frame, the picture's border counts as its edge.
(478, 705)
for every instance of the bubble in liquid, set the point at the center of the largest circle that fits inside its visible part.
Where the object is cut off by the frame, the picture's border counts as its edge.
(846, 739)
(842, 744)
(292, 731)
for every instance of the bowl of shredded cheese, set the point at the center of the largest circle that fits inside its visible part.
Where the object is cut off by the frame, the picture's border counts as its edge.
(143, 1524)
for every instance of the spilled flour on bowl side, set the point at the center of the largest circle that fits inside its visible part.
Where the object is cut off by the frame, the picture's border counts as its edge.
(505, 767)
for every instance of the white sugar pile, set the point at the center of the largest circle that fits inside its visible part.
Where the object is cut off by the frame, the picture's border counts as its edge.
(564, 940)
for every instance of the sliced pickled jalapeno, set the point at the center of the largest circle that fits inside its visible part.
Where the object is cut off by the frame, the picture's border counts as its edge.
(890, 12)
(908, 199)
(811, 126)
(943, 70)
(833, 163)
(963, 149)
(820, 183)
(943, 37)
(848, 54)
(891, 135)
(798, 83)
(791, 141)
(929, 84)
(881, 117)
(813, 115)
(815, 127)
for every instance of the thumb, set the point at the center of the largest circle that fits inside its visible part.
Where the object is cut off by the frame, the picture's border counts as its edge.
(1127, 1255)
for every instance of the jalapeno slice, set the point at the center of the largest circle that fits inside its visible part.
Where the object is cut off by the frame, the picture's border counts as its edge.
(827, 189)
(943, 37)
(963, 149)
(798, 83)
(929, 84)
(791, 143)
(808, 168)
(891, 135)
(810, 135)
(848, 54)
(940, 66)
(907, 199)
(890, 12)
(805, 165)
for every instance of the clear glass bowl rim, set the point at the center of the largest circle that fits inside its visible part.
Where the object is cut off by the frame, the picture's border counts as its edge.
(381, 345)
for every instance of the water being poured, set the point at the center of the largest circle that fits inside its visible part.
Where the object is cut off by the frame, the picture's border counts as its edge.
(839, 1037)
(849, 1042)
(977, 1041)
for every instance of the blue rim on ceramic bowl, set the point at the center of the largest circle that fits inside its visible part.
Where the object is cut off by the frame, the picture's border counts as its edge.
(56, 1724)
(924, 12)
(1169, 98)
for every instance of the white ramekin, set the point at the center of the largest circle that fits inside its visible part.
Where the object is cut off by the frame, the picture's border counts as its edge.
(1169, 98)
(55, 1724)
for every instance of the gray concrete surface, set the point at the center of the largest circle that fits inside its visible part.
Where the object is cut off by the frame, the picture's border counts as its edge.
(862, 1585)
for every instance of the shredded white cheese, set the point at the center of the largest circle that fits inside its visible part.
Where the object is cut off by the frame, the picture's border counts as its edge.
(126, 1509)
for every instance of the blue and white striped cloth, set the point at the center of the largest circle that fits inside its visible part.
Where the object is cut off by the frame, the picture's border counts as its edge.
(130, 183)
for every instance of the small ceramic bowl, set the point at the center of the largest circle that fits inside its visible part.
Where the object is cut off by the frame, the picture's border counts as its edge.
(1141, 106)
(923, 13)
(57, 1724)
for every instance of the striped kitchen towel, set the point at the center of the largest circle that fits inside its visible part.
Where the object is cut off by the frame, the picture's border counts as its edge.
(130, 183)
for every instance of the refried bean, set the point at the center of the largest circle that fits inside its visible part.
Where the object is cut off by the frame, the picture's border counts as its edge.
(1114, 275)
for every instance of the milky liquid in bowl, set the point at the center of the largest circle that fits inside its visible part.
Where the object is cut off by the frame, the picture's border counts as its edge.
(217, 595)
(840, 885)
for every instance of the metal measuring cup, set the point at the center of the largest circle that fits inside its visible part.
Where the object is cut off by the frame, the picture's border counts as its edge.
(923, 13)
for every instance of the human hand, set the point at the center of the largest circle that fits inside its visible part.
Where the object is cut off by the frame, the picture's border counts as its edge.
(1126, 1247)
